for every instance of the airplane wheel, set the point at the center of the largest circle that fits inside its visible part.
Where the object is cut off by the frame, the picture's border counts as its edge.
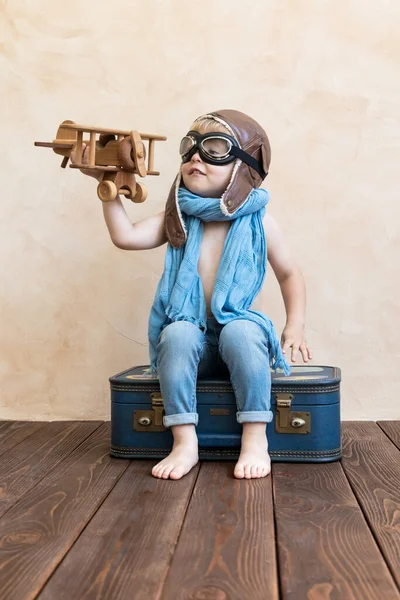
(141, 193)
(106, 191)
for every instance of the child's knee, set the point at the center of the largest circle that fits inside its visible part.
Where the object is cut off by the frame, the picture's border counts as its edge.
(181, 334)
(240, 331)
(243, 341)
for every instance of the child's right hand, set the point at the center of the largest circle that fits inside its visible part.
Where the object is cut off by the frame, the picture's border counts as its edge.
(96, 173)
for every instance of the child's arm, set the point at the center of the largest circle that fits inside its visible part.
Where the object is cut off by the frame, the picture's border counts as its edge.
(291, 281)
(143, 235)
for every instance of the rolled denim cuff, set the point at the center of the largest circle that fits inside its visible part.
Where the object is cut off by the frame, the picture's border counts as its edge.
(181, 419)
(255, 416)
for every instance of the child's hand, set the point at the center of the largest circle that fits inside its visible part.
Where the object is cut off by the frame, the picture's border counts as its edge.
(293, 337)
(97, 174)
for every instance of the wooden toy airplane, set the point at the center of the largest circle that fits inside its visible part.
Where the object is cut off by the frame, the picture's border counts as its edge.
(119, 154)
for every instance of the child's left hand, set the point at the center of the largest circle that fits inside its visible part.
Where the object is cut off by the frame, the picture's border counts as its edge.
(293, 336)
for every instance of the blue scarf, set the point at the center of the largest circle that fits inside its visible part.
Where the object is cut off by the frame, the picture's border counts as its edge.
(180, 296)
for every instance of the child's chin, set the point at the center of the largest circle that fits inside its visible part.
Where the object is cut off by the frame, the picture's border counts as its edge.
(201, 191)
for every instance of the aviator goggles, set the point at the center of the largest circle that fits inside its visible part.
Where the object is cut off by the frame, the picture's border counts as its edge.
(216, 149)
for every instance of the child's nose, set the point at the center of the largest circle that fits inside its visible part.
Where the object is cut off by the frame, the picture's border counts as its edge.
(196, 157)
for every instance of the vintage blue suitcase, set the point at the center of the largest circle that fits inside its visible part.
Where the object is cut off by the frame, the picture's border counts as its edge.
(306, 425)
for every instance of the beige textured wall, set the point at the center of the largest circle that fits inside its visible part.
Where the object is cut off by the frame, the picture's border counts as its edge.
(323, 78)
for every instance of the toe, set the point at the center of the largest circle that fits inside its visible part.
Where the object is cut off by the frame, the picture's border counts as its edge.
(167, 471)
(156, 471)
(247, 471)
(239, 471)
(176, 473)
(253, 471)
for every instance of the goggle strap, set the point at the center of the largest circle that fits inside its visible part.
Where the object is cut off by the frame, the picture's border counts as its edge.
(248, 159)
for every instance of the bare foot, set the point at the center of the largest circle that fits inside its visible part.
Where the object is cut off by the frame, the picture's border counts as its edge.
(184, 455)
(254, 461)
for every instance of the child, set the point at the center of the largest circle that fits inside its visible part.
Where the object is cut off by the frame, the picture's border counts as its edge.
(201, 322)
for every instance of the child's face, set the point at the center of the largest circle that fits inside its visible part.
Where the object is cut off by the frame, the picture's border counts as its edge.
(204, 179)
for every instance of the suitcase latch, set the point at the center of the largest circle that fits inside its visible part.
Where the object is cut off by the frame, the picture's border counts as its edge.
(287, 421)
(151, 419)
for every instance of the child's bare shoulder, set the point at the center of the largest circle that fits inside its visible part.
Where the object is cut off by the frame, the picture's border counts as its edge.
(271, 226)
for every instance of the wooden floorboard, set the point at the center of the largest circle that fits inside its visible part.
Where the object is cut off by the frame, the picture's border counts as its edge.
(392, 430)
(325, 547)
(13, 432)
(372, 464)
(25, 464)
(227, 547)
(40, 529)
(126, 549)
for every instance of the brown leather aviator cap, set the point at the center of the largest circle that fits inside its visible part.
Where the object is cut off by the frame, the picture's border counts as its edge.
(253, 140)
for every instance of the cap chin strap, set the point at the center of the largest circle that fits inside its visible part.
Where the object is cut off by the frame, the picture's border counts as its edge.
(249, 160)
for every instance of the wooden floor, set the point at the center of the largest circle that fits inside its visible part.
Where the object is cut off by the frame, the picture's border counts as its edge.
(76, 523)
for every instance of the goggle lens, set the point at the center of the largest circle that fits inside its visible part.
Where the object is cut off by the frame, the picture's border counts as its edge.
(187, 144)
(212, 146)
(216, 147)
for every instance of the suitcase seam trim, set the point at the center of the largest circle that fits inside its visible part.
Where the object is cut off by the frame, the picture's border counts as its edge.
(127, 450)
(308, 390)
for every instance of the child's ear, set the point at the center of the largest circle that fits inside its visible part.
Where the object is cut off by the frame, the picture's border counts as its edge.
(266, 157)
